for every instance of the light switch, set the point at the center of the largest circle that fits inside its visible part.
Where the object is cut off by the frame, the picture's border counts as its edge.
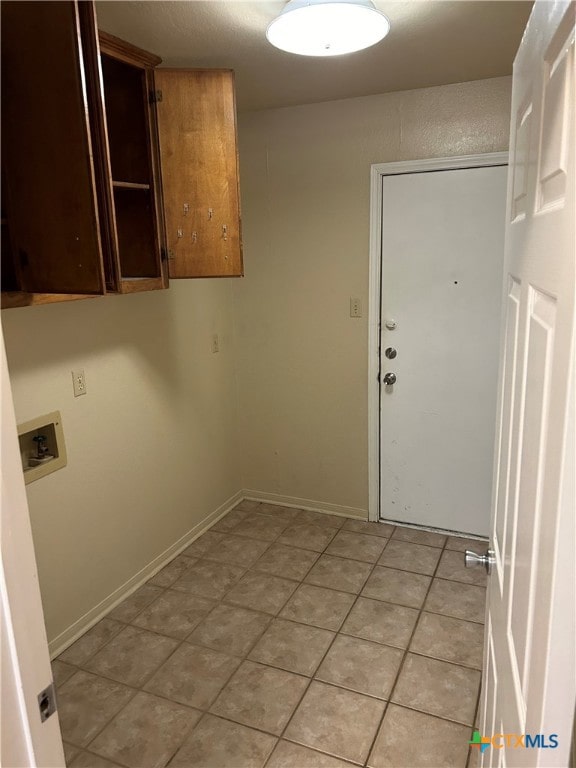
(355, 308)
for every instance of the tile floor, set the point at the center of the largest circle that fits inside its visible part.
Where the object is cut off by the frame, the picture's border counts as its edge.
(286, 639)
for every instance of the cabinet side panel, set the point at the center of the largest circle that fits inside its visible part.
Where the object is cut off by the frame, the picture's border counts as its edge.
(48, 162)
(198, 147)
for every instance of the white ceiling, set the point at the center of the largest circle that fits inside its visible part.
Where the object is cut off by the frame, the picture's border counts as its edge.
(431, 42)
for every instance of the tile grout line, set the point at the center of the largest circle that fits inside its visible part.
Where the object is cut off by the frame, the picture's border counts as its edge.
(251, 566)
(269, 665)
(388, 539)
(459, 664)
(107, 642)
(407, 651)
(404, 657)
(339, 631)
(274, 616)
(244, 657)
(476, 712)
(107, 723)
(137, 690)
(149, 677)
(312, 678)
(140, 689)
(222, 601)
(165, 661)
(434, 717)
(217, 601)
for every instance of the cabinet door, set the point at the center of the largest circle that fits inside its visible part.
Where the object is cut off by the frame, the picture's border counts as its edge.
(198, 149)
(47, 153)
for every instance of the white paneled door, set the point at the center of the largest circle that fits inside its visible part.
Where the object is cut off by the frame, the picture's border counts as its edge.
(442, 262)
(530, 676)
(28, 737)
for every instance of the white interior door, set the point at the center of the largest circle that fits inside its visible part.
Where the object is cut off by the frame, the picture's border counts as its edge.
(26, 741)
(529, 684)
(442, 261)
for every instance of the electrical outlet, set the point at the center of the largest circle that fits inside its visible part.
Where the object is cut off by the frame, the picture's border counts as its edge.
(79, 382)
(355, 308)
(215, 343)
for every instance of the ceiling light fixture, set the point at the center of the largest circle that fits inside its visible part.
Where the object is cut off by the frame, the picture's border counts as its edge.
(327, 27)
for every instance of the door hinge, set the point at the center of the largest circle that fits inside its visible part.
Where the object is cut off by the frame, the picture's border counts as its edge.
(47, 702)
(155, 97)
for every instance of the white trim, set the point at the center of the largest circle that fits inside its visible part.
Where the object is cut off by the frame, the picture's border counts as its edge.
(441, 164)
(85, 622)
(308, 504)
(377, 172)
(374, 341)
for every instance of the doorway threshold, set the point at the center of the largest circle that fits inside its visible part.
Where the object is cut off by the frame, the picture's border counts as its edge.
(443, 531)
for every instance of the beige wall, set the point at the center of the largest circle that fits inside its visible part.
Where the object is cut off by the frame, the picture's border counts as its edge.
(302, 361)
(152, 446)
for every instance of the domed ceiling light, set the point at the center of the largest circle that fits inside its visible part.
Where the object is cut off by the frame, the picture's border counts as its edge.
(327, 27)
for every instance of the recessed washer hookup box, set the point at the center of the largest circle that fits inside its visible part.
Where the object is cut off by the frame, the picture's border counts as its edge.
(42, 446)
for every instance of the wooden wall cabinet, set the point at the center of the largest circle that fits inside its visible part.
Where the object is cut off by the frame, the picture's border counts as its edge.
(114, 173)
(50, 214)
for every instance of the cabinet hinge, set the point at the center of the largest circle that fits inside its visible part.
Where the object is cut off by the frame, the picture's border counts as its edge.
(163, 254)
(47, 702)
(155, 97)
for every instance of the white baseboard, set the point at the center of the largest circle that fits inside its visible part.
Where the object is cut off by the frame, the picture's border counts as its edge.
(93, 616)
(309, 504)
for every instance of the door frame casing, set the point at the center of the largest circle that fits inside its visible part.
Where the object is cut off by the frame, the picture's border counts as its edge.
(377, 173)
